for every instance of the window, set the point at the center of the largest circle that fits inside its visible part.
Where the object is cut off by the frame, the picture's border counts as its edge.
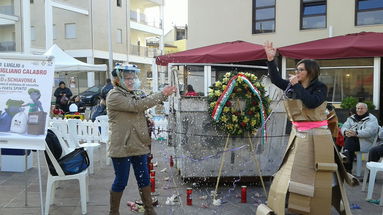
(345, 77)
(369, 12)
(118, 3)
(263, 16)
(54, 32)
(119, 36)
(313, 14)
(70, 30)
(33, 33)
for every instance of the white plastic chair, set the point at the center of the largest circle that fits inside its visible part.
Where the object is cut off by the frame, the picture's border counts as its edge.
(64, 145)
(62, 126)
(74, 139)
(51, 188)
(359, 159)
(374, 167)
(104, 134)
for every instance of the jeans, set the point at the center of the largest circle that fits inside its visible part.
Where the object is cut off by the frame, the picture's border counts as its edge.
(351, 145)
(122, 168)
(375, 153)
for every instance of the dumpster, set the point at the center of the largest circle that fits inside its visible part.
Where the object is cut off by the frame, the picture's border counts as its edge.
(199, 145)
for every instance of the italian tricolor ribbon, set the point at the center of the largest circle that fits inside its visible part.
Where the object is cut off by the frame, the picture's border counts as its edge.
(217, 111)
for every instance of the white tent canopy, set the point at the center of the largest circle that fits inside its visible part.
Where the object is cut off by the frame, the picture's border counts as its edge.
(65, 62)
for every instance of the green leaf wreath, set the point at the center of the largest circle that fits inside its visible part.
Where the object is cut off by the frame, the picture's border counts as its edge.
(235, 120)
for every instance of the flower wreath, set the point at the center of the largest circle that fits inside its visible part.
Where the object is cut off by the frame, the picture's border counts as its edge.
(226, 98)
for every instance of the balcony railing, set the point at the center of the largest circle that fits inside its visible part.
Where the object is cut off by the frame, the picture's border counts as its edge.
(7, 46)
(7, 10)
(144, 51)
(142, 19)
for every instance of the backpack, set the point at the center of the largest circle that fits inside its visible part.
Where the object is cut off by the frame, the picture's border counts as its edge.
(72, 163)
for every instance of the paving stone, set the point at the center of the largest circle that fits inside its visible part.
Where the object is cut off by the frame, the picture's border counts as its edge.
(67, 199)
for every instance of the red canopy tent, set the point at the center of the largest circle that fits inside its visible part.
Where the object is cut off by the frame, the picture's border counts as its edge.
(364, 44)
(228, 52)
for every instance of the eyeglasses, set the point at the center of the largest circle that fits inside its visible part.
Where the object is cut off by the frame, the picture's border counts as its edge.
(299, 70)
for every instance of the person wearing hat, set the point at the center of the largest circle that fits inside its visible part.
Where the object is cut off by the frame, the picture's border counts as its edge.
(62, 95)
(129, 138)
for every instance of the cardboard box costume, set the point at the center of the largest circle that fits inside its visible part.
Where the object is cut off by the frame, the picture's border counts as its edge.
(309, 167)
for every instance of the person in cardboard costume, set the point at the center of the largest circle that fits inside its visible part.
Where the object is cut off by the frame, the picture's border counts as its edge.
(13, 108)
(129, 138)
(305, 179)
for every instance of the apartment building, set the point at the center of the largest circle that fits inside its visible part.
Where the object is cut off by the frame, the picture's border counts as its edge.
(81, 29)
(292, 22)
(11, 24)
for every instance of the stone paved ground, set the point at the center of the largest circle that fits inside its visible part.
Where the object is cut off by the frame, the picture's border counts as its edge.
(67, 202)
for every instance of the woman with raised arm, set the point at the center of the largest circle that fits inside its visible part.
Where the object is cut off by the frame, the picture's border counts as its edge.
(129, 138)
(305, 179)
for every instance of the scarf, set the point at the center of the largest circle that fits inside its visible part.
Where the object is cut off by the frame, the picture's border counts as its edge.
(359, 118)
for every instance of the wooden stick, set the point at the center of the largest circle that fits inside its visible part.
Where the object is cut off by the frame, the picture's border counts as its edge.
(257, 166)
(221, 166)
(343, 193)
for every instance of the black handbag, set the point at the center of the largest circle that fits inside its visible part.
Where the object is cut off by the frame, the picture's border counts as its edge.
(74, 162)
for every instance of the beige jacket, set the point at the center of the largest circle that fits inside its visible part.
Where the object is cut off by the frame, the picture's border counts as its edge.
(128, 130)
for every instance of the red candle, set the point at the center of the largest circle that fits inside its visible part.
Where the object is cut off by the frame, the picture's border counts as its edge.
(243, 194)
(171, 161)
(152, 173)
(188, 196)
(153, 184)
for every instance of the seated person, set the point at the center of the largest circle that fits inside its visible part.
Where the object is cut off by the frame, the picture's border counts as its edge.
(80, 105)
(359, 131)
(376, 152)
(98, 110)
(190, 91)
(57, 111)
(73, 109)
(332, 120)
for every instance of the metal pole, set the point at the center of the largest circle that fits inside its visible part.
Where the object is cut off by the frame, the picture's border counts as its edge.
(110, 38)
(26, 33)
(48, 25)
(26, 177)
(40, 185)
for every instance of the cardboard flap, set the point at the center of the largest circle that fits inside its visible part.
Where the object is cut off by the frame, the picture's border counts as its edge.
(332, 167)
(264, 210)
(302, 189)
(299, 204)
(343, 158)
(351, 180)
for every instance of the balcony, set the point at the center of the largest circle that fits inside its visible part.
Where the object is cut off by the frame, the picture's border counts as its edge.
(7, 10)
(144, 51)
(7, 46)
(147, 3)
(142, 19)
